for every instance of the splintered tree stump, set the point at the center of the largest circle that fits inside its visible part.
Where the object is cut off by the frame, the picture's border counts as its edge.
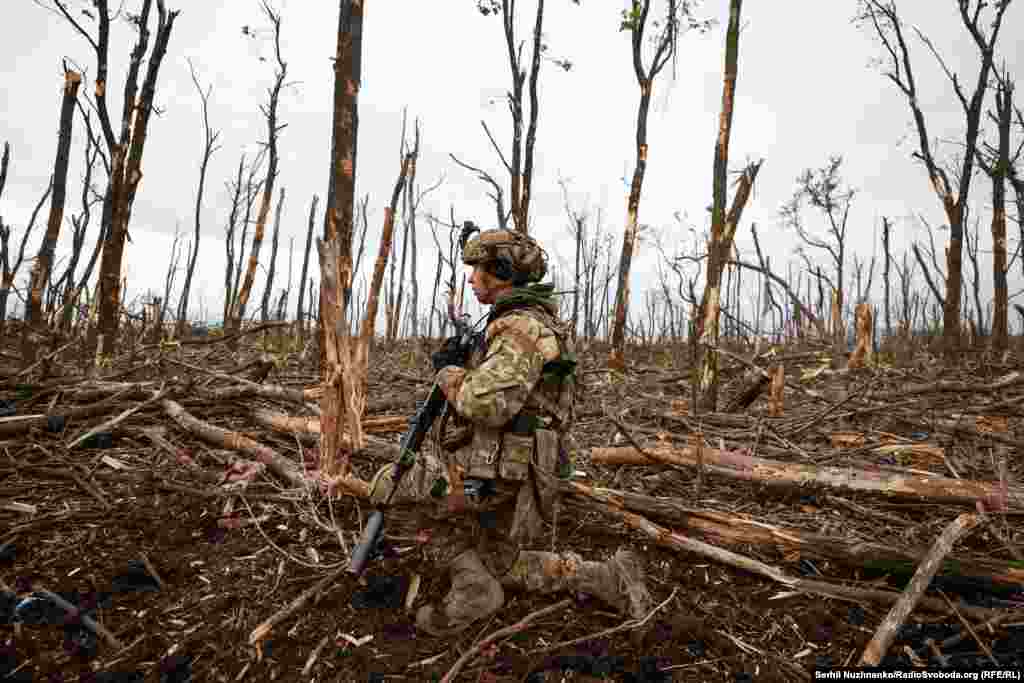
(862, 351)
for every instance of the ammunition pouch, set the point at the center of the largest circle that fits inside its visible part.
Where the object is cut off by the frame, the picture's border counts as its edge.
(546, 464)
(457, 438)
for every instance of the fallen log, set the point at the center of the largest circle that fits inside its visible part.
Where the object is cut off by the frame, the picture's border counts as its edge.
(738, 465)
(673, 540)
(734, 530)
(113, 422)
(225, 438)
(21, 424)
(385, 424)
(946, 386)
(886, 632)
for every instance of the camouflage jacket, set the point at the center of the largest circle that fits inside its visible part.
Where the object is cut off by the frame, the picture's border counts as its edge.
(520, 380)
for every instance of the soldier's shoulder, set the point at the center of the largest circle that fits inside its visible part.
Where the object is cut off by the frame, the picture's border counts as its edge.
(520, 321)
(526, 326)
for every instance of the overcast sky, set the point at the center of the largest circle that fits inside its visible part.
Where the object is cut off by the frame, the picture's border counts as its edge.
(806, 89)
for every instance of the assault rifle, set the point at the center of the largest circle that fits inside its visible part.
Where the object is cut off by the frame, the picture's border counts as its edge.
(419, 425)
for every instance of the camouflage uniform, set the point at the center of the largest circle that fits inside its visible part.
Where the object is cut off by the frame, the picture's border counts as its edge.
(515, 396)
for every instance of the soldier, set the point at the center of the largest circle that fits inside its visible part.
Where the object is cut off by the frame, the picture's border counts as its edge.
(513, 406)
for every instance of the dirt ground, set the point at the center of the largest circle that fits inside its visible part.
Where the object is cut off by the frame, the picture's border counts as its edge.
(226, 562)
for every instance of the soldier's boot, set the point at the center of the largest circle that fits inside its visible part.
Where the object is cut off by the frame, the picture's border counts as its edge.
(618, 582)
(474, 595)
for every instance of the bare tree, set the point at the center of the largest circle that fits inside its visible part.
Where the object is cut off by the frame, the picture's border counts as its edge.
(341, 402)
(172, 272)
(209, 147)
(723, 227)
(905, 274)
(384, 251)
(883, 19)
(886, 263)
(44, 259)
(11, 271)
(300, 311)
(997, 164)
(79, 228)
(230, 279)
(413, 198)
(823, 190)
(520, 165)
(282, 302)
(273, 129)
(125, 150)
(635, 21)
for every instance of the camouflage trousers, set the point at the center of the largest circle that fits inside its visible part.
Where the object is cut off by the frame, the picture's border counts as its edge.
(497, 525)
(501, 529)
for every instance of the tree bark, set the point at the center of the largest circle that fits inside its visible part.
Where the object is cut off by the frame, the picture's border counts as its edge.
(343, 401)
(339, 208)
(737, 465)
(34, 322)
(1000, 317)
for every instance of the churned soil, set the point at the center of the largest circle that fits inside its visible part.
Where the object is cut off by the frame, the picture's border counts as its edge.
(220, 564)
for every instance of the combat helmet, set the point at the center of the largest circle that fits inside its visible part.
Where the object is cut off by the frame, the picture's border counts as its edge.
(511, 255)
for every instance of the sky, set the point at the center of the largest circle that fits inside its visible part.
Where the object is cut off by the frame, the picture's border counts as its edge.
(808, 87)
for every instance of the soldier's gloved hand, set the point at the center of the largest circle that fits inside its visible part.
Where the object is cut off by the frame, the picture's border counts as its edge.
(450, 353)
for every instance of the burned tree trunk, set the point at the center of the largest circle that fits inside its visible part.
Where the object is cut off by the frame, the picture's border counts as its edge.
(44, 260)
